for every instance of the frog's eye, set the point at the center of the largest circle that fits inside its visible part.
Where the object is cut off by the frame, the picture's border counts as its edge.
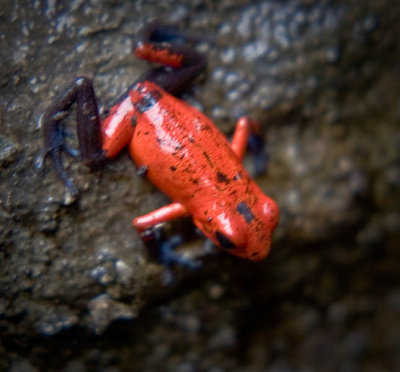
(223, 241)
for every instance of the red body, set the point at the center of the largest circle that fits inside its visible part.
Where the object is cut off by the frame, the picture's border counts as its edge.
(192, 162)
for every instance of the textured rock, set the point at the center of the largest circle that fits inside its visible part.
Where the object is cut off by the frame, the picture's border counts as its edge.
(322, 79)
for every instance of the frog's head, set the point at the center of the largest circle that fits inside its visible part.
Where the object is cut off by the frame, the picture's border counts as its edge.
(244, 230)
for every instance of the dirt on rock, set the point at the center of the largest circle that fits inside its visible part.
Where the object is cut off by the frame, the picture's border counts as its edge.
(79, 290)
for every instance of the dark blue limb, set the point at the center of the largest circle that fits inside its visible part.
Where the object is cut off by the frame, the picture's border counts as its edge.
(163, 250)
(165, 45)
(88, 128)
(256, 146)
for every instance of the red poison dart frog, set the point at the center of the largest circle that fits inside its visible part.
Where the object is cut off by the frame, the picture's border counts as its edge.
(179, 149)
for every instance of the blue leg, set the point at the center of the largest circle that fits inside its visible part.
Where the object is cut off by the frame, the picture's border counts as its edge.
(88, 129)
(167, 46)
(256, 146)
(164, 252)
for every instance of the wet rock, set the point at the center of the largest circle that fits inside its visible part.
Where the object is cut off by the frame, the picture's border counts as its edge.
(319, 77)
(224, 338)
(103, 310)
(21, 365)
(8, 151)
(52, 322)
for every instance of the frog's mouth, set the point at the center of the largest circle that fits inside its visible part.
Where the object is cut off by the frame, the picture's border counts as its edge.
(224, 241)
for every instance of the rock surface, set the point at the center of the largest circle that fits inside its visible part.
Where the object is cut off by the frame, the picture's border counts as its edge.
(79, 292)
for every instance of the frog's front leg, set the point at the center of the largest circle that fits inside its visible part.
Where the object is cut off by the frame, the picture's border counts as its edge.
(163, 250)
(88, 124)
(163, 214)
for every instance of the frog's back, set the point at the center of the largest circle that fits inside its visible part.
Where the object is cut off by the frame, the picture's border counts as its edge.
(186, 156)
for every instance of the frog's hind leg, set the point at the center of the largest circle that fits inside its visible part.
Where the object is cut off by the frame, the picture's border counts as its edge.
(167, 46)
(88, 128)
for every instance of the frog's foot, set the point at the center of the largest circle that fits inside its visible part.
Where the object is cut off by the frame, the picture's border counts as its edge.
(164, 252)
